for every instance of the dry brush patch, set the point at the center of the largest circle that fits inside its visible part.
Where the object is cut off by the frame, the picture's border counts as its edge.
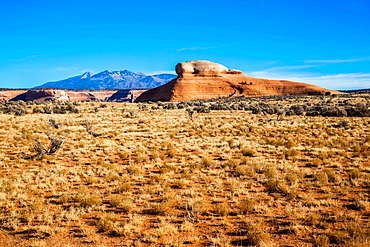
(152, 175)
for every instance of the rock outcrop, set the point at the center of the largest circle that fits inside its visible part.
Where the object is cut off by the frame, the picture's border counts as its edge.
(205, 68)
(48, 95)
(123, 95)
(198, 80)
(16, 94)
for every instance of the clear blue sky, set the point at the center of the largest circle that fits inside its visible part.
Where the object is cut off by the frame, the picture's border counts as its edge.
(326, 42)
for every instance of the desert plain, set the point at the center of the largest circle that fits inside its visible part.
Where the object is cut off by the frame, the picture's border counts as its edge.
(259, 171)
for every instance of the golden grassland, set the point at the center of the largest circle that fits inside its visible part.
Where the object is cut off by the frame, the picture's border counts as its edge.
(137, 175)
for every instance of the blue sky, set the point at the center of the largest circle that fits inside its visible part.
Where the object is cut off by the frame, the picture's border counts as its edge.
(326, 43)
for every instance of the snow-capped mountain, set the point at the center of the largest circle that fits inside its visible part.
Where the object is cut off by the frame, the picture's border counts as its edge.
(123, 79)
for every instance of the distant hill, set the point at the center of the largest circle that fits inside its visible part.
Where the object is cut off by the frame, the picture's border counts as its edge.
(123, 79)
(355, 91)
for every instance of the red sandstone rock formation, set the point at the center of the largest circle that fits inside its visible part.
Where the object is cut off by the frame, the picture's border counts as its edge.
(44, 94)
(90, 95)
(6, 95)
(124, 95)
(207, 80)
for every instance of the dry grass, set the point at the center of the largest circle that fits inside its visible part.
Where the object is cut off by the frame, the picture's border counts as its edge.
(156, 177)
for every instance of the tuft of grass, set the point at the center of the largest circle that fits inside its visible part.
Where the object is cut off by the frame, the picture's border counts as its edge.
(106, 223)
(222, 209)
(276, 186)
(89, 200)
(321, 241)
(249, 152)
(207, 162)
(199, 207)
(162, 208)
(247, 205)
(257, 236)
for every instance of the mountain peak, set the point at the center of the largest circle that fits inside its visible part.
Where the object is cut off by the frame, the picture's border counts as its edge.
(87, 75)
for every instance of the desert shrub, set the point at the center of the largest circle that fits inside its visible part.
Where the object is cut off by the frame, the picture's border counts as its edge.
(116, 200)
(358, 110)
(156, 179)
(296, 110)
(16, 108)
(247, 205)
(219, 107)
(37, 110)
(172, 152)
(123, 187)
(65, 198)
(190, 112)
(359, 204)
(321, 177)
(248, 152)
(314, 219)
(271, 172)
(9, 222)
(357, 232)
(326, 111)
(255, 110)
(289, 153)
(89, 200)
(166, 168)
(133, 170)
(53, 123)
(332, 176)
(343, 123)
(127, 206)
(290, 144)
(244, 170)
(89, 125)
(56, 143)
(47, 109)
(106, 223)
(256, 235)
(321, 241)
(170, 106)
(293, 177)
(207, 162)
(202, 109)
(276, 186)
(199, 207)
(222, 209)
(232, 163)
(182, 105)
(161, 208)
(354, 174)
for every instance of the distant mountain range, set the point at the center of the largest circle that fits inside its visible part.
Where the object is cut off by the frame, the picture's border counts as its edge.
(123, 79)
(355, 90)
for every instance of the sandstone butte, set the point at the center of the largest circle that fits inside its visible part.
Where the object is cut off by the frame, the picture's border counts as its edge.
(199, 80)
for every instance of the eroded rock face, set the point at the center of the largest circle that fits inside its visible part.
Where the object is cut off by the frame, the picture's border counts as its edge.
(6, 95)
(207, 80)
(125, 95)
(50, 95)
(200, 67)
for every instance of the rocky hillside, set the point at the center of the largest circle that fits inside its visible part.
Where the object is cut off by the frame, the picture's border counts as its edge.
(207, 80)
(123, 79)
